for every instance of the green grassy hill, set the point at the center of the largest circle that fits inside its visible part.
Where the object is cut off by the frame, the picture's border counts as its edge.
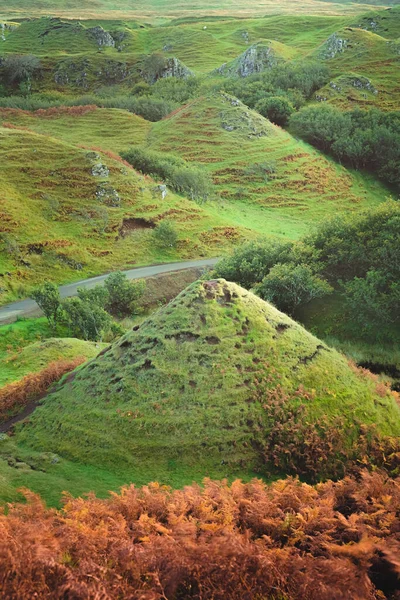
(234, 142)
(369, 63)
(85, 55)
(176, 398)
(68, 212)
(63, 220)
(35, 357)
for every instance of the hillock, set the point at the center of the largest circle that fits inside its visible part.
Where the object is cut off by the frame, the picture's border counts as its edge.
(218, 381)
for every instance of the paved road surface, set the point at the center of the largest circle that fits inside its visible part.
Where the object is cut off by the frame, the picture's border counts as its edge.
(11, 312)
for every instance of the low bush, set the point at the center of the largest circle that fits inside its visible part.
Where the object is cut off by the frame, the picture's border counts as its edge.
(275, 108)
(165, 234)
(86, 321)
(193, 182)
(357, 254)
(288, 286)
(287, 540)
(361, 139)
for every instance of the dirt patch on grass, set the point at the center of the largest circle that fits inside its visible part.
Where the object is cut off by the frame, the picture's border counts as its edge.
(134, 224)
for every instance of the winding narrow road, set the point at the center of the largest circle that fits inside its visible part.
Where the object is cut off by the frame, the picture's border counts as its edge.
(25, 308)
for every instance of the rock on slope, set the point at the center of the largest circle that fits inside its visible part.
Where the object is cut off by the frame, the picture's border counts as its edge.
(206, 381)
(255, 59)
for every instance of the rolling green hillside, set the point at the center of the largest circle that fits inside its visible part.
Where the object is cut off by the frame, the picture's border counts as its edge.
(37, 356)
(367, 67)
(189, 393)
(252, 159)
(159, 10)
(85, 55)
(67, 212)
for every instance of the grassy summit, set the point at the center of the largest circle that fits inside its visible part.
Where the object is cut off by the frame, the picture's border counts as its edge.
(203, 386)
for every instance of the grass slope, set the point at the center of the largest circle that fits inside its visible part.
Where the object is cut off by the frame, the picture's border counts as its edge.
(160, 10)
(229, 140)
(364, 55)
(35, 357)
(173, 399)
(59, 222)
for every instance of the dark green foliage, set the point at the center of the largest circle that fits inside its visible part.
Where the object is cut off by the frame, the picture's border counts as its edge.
(276, 108)
(153, 67)
(193, 182)
(293, 81)
(173, 89)
(122, 294)
(85, 320)
(97, 296)
(20, 68)
(151, 162)
(47, 297)
(306, 77)
(349, 247)
(361, 139)
(374, 299)
(289, 286)
(359, 255)
(252, 261)
(165, 234)
(150, 108)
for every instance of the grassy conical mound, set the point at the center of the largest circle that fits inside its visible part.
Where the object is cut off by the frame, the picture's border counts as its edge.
(217, 377)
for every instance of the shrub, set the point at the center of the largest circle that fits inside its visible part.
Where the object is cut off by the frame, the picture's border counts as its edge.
(185, 179)
(47, 297)
(97, 295)
(375, 299)
(165, 234)
(153, 66)
(251, 262)
(362, 139)
(20, 68)
(283, 540)
(122, 295)
(85, 321)
(289, 286)
(276, 109)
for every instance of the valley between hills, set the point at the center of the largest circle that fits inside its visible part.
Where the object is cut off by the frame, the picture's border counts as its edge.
(199, 300)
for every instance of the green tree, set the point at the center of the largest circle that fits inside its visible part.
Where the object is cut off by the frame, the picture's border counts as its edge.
(21, 68)
(85, 321)
(374, 301)
(47, 297)
(123, 295)
(97, 295)
(251, 262)
(153, 67)
(165, 234)
(288, 286)
(275, 108)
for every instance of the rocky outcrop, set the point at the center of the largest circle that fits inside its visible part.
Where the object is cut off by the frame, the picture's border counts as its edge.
(79, 72)
(101, 37)
(333, 46)
(255, 59)
(357, 81)
(175, 68)
(109, 196)
(236, 116)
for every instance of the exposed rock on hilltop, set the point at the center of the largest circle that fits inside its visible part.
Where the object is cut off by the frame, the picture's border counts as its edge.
(333, 46)
(255, 59)
(217, 377)
(101, 37)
